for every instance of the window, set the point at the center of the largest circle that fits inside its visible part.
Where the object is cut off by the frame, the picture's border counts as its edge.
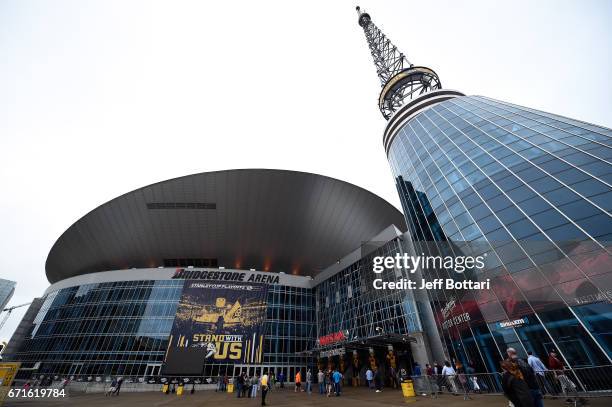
(534, 205)
(561, 196)
(489, 224)
(597, 225)
(521, 193)
(590, 187)
(549, 219)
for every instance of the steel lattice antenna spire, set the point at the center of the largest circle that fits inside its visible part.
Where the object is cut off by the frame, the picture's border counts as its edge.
(400, 80)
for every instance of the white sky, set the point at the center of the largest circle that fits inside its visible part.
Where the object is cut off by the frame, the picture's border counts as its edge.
(98, 98)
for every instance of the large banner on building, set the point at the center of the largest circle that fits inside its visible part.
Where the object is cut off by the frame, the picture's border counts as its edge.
(217, 322)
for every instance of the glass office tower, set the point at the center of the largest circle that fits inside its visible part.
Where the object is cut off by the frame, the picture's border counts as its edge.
(533, 191)
(529, 190)
(7, 288)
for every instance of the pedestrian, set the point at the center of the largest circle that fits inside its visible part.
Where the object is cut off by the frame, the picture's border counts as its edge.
(377, 380)
(393, 378)
(528, 377)
(515, 388)
(281, 379)
(254, 385)
(370, 378)
(567, 386)
(271, 381)
(416, 370)
(247, 385)
(448, 373)
(239, 385)
(337, 378)
(119, 383)
(308, 382)
(431, 378)
(540, 371)
(329, 382)
(112, 388)
(264, 388)
(298, 382)
(440, 380)
(321, 381)
(460, 370)
(472, 379)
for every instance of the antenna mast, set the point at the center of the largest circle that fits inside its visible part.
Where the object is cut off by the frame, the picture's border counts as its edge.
(401, 81)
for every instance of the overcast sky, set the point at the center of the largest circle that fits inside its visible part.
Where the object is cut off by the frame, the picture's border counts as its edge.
(98, 98)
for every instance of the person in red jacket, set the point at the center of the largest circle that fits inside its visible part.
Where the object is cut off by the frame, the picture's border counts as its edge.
(556, 365)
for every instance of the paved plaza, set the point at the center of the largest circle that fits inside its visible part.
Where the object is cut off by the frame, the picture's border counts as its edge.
(286, 398)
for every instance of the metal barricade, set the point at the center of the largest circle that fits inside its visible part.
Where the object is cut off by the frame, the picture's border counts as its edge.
(575, 385)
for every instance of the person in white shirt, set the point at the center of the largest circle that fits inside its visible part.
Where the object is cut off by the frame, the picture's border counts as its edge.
(369, 377)
(540, 371)
(449, 373)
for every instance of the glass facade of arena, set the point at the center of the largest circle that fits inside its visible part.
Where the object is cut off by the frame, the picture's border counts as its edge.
(533, 191)
(347, 302)
(122, 328)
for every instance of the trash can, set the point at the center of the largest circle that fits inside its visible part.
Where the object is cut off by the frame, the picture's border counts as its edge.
(230, 387)
(408, 388)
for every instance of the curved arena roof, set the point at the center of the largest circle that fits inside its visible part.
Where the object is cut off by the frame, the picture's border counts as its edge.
(272, 220)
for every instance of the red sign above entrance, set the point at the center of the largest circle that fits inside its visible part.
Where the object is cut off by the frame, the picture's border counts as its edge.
(332, 338)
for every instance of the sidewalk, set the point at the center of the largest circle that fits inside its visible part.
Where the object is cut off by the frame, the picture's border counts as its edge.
(287, 398)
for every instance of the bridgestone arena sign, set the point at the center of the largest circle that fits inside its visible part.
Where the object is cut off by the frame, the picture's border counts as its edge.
(224, 276)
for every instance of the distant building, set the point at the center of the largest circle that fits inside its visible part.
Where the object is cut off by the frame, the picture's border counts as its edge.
(7, 288)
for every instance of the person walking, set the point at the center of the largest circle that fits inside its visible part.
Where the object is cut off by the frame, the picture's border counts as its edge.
(417, 379)
(448, 373)
(472, 379)
(264, 388)
(321, 381)
(329, 382)
(308, 382)
(567, 386)
(377, 380)
(431, 378)
(247, 386)
(337, 378)
(514, 387)
(370, 378)
(460, 371)
(281, 379)
(271, 381)
(254, 385)
(119, 383)
(528, 376)
(440, 380)
(239, 385)
(112, 388)
(298, 382)
(540, 371)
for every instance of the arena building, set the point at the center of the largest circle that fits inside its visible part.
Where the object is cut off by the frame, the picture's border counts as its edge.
(223, 272)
